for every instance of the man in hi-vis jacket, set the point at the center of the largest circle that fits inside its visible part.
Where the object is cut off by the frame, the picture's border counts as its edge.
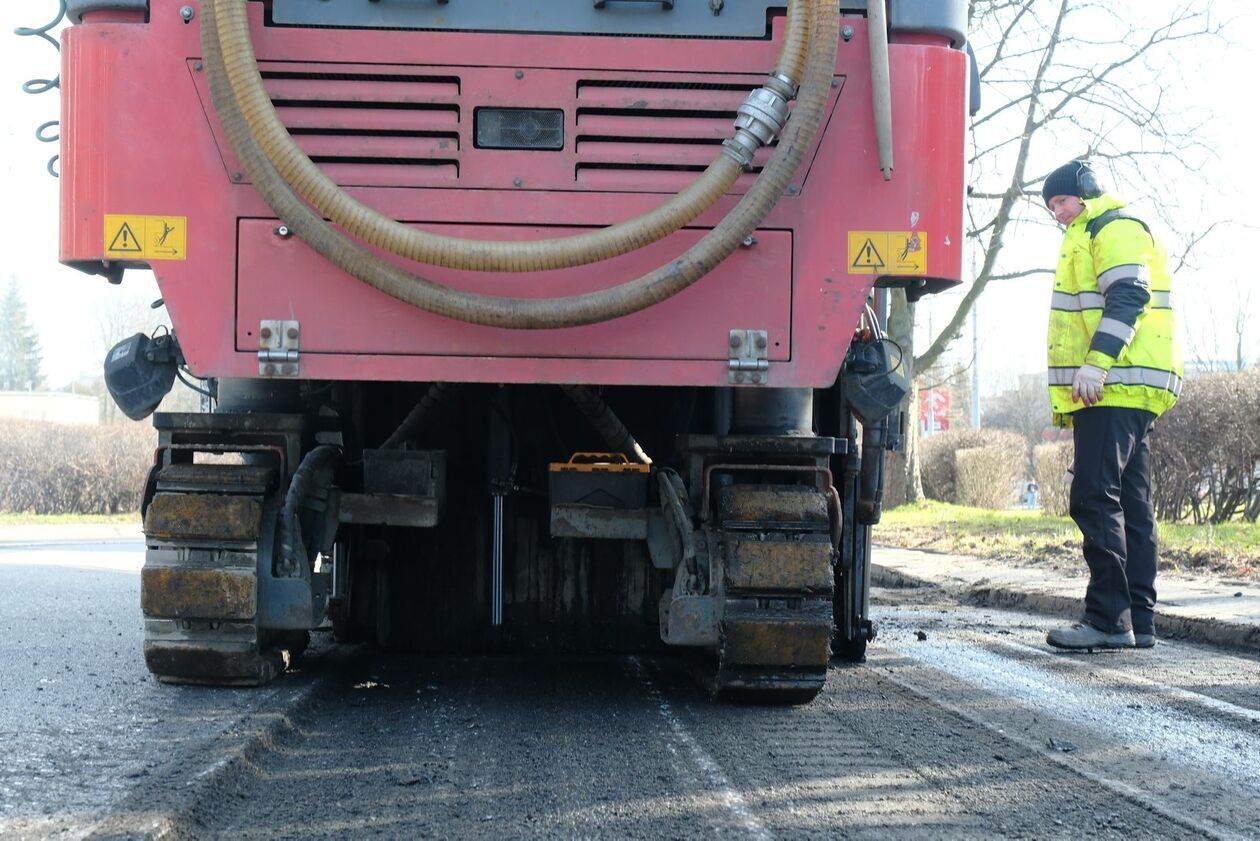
(1115, 366)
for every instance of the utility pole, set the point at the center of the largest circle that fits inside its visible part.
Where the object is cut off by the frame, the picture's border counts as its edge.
(975, 365)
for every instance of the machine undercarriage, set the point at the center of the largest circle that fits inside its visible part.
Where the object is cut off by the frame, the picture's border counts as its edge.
(503, 518)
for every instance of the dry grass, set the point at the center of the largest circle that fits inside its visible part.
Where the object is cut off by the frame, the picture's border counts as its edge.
(1037, 539)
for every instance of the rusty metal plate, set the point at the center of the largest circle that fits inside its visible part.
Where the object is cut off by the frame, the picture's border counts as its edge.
(769, 566)
(209, 664)
(773, 507)
(198, 593)
(223, 478)
(779, 641)
(592, 521)
(209, 518)
(390, 510)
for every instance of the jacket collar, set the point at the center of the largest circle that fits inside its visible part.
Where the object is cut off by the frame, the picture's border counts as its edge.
(1096, 207)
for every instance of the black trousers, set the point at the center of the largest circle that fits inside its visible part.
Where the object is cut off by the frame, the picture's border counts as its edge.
(1111, 504)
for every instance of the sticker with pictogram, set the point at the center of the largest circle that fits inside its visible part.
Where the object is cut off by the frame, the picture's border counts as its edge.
(887, 252)
(146, 237)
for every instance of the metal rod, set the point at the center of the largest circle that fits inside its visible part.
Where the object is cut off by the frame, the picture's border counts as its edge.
(881, 84)
(496, 565)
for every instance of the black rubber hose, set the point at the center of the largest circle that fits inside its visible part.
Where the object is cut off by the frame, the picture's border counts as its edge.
(606, 422)
(435, 396)
(315, 471)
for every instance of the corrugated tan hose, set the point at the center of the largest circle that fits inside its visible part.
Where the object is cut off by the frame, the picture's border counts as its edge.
(542, 313)
(232, 25)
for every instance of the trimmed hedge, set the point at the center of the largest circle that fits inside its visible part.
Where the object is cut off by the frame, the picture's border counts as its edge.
(987, 477)
(50, 468)
(1000, 461)
(1053, 461)
(1205, 452)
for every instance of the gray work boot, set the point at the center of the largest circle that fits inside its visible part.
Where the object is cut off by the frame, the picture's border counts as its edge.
(1082, 636)
(1144, 640)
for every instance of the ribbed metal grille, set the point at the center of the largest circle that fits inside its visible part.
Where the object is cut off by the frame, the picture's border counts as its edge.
(373, 129)
(654, 135)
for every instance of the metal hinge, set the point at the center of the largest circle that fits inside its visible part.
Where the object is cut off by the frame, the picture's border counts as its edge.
(749, 357)
(278, 343)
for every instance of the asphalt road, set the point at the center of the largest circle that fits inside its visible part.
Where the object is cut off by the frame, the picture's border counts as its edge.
(961, 724)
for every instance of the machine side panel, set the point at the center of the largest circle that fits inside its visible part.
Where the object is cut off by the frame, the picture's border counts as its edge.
(140, 139)
(281, 278)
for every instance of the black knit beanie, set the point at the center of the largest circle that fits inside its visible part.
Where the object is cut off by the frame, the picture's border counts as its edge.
(1063, 181)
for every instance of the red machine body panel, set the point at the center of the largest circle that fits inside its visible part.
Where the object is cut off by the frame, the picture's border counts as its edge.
(140, 138)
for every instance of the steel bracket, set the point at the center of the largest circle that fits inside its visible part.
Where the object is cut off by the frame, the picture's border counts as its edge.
(749, 359)
(279, 344)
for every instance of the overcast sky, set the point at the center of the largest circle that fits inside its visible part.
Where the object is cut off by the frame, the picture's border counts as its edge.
(64, 304)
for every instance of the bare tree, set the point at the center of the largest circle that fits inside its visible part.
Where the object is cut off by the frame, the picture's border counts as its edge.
(1064, 78)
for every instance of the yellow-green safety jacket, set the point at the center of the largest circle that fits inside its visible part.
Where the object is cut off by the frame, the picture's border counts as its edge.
(1112, 307)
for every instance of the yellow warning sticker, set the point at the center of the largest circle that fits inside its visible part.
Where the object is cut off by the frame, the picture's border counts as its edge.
(146, 237)
(887, 252)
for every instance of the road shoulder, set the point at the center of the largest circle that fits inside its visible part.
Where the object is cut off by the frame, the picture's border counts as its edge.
(1221, 611)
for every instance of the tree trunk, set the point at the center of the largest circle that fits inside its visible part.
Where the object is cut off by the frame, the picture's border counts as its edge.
(908, 485)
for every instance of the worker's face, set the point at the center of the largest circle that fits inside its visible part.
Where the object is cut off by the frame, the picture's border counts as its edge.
(1066, 208)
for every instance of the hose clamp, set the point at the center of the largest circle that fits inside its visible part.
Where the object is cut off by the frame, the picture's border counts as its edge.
(783, 86)
(757, 123)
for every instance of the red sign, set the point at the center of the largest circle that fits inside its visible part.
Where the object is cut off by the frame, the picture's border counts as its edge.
(933, 410)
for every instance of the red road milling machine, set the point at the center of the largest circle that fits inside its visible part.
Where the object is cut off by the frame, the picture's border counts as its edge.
(528, 325)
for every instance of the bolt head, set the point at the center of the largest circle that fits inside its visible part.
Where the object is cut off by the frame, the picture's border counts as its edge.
(290, 370)
(516, 182)
(520, 74)
(762, 342)
(756, 379)
(739, 377)
(197, 66)
(237, 177)
(186, 12)
(283, 231)
(293, 333)
(269, 369)
(736, 340)
(846, 32)
(265, 332)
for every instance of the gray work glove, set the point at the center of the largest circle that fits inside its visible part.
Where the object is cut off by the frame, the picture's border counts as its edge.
(1087, 385)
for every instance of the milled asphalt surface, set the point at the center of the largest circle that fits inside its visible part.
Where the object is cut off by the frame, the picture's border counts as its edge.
(961, 724)
(82, 723)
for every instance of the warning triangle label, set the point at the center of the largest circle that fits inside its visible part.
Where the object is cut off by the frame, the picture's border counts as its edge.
(126, 241)
(868, 256)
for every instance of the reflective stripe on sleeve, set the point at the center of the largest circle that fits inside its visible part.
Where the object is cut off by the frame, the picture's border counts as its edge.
(1075, 303)
(1093, 301)
(1117, 328)
(1137, 274)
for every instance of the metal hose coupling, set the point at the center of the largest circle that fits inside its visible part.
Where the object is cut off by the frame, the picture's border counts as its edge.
(760, 119)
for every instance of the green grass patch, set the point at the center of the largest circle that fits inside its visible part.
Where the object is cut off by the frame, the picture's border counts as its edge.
(1032, 537)
(9, 518)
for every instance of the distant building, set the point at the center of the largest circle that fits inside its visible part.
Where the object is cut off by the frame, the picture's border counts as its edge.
(51, 407)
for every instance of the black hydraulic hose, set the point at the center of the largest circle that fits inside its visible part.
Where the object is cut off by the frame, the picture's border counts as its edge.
(315, 471)
(870, 504)
(606, 422)
(435, 396)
